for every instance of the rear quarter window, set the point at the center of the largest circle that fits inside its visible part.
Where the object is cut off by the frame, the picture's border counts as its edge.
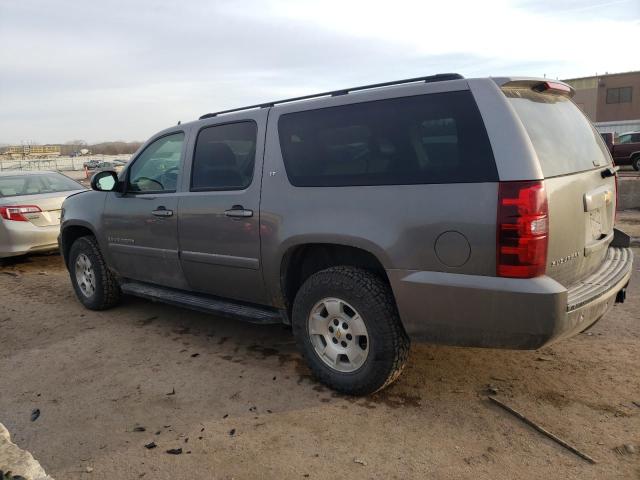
(563, 138)
(435, 138)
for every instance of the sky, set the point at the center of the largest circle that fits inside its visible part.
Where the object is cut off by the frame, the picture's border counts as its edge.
(122, 70)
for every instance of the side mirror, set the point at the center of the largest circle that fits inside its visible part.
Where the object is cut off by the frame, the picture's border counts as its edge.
(104, 181)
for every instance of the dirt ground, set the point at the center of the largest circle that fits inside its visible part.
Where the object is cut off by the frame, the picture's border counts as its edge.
(241, 404)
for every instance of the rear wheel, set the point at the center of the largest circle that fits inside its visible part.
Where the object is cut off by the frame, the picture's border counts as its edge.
(347, 326)
(635, 163)
(93, 282)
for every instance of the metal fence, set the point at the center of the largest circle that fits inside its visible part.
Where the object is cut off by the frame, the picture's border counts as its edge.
(57, 163)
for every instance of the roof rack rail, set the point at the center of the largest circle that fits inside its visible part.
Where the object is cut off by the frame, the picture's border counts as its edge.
(441, 77)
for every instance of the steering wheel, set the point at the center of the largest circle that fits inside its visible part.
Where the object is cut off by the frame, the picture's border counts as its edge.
(150, 180)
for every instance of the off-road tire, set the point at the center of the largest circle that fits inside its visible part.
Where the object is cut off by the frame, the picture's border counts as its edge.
(373, 299)
(107, 291)
(635, 163)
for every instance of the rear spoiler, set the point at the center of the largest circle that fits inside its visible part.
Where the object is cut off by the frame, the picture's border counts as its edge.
(537, 84)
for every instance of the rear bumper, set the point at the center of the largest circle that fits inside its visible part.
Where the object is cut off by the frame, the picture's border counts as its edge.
(478, 311)
(19, 238)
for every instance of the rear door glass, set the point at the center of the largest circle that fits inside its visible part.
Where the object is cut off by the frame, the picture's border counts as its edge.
(435, 138)
(562, 137)
(224, 157)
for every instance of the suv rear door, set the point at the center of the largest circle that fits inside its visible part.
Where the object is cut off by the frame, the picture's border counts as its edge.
(219, 217)
(572, 157)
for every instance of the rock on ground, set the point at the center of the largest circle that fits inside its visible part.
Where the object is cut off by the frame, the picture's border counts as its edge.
(17, 461)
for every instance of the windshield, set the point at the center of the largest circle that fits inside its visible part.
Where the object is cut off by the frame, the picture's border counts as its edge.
(562, 137)
(16, 185)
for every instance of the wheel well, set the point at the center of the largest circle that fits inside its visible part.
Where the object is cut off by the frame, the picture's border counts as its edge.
(70, 235)
(302, 261)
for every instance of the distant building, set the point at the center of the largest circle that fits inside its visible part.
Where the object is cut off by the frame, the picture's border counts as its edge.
(32, 150)
(611, 101)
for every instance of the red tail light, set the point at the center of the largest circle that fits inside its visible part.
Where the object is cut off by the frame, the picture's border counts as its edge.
(615, 208)
(523, 228)
(16, 213)
(555, 87)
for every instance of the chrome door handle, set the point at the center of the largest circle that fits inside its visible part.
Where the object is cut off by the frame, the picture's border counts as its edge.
(238, 211)
(162, 212)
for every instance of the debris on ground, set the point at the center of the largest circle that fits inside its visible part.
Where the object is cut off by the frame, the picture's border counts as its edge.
(172, 392)
(545, 432)
(23, 465)
(194, 355)
(35, 413)
(139, 429)
(232, 432)
(544, 359)
(626, 449)
(89, 469)
(150, 445)
(360, 461)
(492, 389)
(174, 451)
(11, 274)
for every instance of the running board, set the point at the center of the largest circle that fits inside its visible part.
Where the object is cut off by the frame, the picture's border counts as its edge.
(203, 303)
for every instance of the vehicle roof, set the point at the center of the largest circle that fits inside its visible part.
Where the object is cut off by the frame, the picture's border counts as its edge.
(13, 173)
(319, 99)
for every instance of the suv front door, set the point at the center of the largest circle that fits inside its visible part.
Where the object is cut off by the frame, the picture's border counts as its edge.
(141, 224)
(219, 220)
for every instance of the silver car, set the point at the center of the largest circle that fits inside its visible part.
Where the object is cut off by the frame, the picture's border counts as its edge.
(30, 205)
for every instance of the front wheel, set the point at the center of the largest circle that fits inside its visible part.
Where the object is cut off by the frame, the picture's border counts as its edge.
(347, 326)
(94, 284)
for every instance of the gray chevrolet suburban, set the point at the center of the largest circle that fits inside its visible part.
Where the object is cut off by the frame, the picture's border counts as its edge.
(474, 212)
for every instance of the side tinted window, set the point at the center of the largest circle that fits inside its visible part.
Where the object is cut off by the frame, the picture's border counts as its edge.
(224, 157)
(436, 138)
(157, 167)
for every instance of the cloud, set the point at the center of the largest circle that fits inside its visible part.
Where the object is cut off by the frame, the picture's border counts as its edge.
(121, 69)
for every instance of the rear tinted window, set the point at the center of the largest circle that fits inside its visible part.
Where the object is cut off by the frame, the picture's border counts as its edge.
(13, 186)
(224, 157)
(562, 137)
(436, 138)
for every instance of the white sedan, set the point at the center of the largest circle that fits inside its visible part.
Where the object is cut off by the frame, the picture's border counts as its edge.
(30, 205)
